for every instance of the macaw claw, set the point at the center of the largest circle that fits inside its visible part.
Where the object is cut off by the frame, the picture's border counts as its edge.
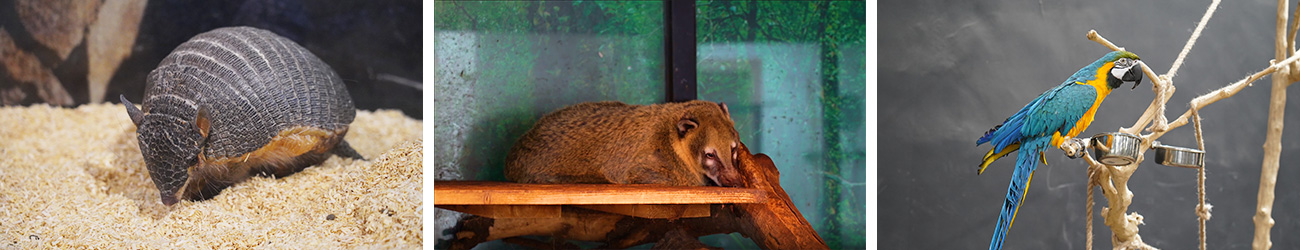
(1075, 147)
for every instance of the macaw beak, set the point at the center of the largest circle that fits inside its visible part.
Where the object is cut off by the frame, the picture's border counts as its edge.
(1134, 75)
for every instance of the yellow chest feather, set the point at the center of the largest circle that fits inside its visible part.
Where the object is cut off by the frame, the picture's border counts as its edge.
(1100, 84)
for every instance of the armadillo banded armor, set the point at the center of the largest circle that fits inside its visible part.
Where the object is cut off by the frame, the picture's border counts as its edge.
(236, 101)
(254, 84)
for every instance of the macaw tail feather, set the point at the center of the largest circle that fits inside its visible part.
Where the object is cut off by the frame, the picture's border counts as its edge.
(1026, 163)
(993, 156)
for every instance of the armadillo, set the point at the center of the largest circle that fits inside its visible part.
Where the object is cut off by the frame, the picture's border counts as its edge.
(235, 102)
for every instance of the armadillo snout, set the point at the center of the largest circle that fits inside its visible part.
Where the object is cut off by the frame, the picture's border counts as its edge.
(168, 199)
(169, 147)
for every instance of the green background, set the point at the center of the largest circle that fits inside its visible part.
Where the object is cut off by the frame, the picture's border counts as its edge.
(792, 73)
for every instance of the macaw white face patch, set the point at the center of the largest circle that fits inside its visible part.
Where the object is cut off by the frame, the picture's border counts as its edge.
(1122, 66)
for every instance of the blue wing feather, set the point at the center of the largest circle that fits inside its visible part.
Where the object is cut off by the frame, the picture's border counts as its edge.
(1058, 109)
(1008, 132)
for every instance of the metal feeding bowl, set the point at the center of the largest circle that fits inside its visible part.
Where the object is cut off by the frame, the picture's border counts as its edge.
(1179, 156)
(1116, 148)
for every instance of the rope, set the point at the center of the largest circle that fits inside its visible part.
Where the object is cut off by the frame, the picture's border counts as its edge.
(1173, 71)
(1089, 242)
(1202, 209)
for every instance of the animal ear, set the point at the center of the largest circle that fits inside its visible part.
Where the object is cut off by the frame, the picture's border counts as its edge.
(131, 111)
(687, 123)
(203, 123)
(725, 111)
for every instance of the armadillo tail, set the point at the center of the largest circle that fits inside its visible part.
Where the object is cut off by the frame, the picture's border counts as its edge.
(345, 150)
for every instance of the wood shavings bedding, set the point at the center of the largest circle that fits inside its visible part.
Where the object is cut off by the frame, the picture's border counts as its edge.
(74, 178)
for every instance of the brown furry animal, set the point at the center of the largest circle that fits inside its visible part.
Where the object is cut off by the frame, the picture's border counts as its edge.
(681, 144)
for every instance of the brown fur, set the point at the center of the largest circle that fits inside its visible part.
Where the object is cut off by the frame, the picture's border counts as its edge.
(612, 142)
(289, 152)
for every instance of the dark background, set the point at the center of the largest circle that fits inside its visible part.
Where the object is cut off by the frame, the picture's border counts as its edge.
(950, 70)
(375, 46)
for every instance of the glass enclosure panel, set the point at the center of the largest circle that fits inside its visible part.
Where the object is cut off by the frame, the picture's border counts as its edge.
(503, 64)
(793, 74)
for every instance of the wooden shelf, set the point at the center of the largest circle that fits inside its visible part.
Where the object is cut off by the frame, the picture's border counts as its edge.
(668, 215)
(506, 193)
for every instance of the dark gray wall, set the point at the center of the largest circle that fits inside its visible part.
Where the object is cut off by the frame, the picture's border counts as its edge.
(373, 45)
(950, 70)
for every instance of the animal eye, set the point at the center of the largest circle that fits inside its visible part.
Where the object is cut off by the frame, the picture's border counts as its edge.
(711, 155)
(1124, 62)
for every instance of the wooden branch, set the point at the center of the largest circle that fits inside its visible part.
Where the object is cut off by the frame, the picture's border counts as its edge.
(1285, 70)
(1120, 197)
(1224, 92)
(1290, 42)
(1276, 67)
(773, 224)
(776, 224)
(1272, 154)
(1273, 140)
(1092, 35)
(1114, 180)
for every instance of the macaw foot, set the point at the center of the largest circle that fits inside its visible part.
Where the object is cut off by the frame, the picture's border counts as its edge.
(1075, 147)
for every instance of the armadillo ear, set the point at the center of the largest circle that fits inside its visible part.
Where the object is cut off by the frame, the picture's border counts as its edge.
(687, 123)
(131, 111)
(201, 120)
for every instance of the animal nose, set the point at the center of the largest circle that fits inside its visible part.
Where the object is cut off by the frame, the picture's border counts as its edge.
(169, 199)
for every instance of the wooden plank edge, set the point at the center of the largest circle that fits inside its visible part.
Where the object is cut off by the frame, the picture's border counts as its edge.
(502, 197)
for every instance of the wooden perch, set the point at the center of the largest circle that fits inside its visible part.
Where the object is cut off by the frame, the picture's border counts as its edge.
(1285, 70)
(1114, 179)
(1273, 139)
(622, 216)
(514, 200)
(776, 224)
(507, 193)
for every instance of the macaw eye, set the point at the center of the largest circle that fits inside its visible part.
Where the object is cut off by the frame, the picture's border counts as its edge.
(1125, 63)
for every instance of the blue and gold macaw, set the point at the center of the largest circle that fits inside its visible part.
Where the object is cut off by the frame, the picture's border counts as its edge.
(1056, 115)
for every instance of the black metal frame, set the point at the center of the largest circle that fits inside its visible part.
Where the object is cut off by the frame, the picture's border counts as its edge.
(679, 50)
